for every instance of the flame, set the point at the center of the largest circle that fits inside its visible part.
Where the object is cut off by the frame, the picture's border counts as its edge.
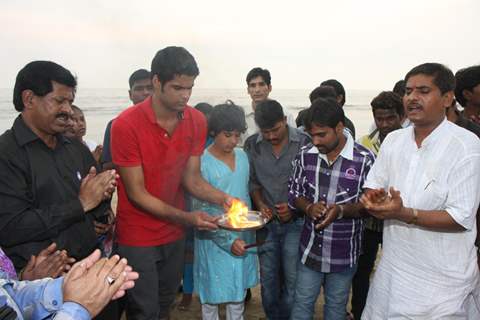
(238, 215)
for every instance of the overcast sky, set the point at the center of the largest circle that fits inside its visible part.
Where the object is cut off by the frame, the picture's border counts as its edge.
(365, 44)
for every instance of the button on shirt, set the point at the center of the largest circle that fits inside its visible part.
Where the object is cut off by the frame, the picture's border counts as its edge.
(269, 172)
(423, 271)
(336, 247)
(39, 189)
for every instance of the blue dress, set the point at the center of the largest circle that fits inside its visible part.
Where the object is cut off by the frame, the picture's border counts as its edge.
(220, 276)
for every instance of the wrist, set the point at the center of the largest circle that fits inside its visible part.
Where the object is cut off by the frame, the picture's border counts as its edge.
(413, 216)
(307, 208)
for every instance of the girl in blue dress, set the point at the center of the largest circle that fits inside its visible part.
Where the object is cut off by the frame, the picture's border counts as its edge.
(223, 270)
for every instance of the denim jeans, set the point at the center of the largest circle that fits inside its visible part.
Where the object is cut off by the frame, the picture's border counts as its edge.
(278, 268)
(336, 290)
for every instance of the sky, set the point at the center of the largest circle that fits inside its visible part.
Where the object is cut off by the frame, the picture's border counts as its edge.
(368, 44)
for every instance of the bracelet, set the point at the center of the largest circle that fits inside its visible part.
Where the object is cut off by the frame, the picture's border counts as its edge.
(340, 215)
(415, 216)
(308, 207)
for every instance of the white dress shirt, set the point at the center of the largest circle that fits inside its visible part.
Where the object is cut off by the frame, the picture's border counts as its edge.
(424, 273)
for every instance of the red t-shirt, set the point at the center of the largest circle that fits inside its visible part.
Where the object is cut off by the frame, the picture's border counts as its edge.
(137, 140)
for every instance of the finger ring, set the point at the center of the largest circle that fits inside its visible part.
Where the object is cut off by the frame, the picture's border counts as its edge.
(110, 280)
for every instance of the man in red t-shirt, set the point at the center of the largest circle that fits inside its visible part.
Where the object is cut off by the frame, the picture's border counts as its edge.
(156, 146)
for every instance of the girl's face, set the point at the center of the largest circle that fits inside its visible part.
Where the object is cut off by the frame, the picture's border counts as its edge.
(226, 141)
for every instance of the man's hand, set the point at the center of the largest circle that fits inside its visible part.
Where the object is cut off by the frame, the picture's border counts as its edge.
(381, 205)
(316, 211)
(92, 283)
(103, 228)
(96, 188)
(97, 153)
(283, 211)
(238, 247)
(202, 220)
(266, 212)
(48, 263)
(331, 215)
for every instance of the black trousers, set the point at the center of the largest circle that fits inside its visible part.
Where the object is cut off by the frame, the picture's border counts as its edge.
(160, 270)
(366, 262)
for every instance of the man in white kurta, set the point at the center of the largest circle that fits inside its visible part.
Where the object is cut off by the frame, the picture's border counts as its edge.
(428, 269)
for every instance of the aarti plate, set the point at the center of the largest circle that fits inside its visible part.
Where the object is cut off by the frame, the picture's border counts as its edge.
(254, 218)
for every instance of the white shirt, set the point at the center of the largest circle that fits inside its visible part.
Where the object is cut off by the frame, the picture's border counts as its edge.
(427, 274)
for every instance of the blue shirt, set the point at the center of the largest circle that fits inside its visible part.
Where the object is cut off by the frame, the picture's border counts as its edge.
(39, 299)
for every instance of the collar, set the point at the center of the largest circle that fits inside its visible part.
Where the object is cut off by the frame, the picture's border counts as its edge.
(293, 135)
(347, 151)
(436, 134)
(147, 108)
(23, 134)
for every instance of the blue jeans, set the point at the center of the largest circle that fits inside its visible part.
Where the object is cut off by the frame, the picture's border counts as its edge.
(336, 290)
(278, 268)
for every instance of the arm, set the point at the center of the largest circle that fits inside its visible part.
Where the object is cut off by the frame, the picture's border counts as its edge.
(198, 187)
(42, 298)
(138, 195)
(383, 206)
(20, 219)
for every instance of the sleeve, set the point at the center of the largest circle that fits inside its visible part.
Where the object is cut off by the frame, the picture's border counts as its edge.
(20, 216)
(298, 183)
(72, 311)
(42, 298)
(200, 125)
(106, 154)
(253, 183)
(464, 191)
(124, 144)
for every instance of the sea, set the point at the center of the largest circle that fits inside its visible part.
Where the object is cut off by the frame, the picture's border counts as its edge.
(102, 105)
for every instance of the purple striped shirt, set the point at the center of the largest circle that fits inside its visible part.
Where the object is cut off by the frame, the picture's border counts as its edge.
(337, 247)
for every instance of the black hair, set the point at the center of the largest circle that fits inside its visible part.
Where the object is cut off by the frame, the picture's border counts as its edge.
(268, 113)
(137, 75)
(388, 100)
(338, 87)
(173, 61)
(467, 79)
(399, 88)
(38, 76)
(324, 112)
(226, 117)
(205, 108)
(323, 91)
(443, 77)
(259, 72)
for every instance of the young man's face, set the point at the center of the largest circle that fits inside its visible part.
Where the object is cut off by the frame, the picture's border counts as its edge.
(140, 90)
(473, 96)
(277, 133)
(424, 103)
(258, 89)
(174, 94)
(326, 139)
(386, 120)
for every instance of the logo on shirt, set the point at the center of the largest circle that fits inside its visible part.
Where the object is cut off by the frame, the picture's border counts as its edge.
(350, 173)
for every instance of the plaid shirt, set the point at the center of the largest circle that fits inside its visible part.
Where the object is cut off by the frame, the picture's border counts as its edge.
(337, 247)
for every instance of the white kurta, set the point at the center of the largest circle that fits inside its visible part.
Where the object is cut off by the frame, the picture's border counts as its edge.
(426, 274)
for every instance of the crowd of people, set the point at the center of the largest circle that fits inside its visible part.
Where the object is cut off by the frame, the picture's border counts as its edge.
(411, 186)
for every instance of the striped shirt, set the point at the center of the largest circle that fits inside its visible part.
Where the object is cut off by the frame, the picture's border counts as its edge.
(337, 247)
